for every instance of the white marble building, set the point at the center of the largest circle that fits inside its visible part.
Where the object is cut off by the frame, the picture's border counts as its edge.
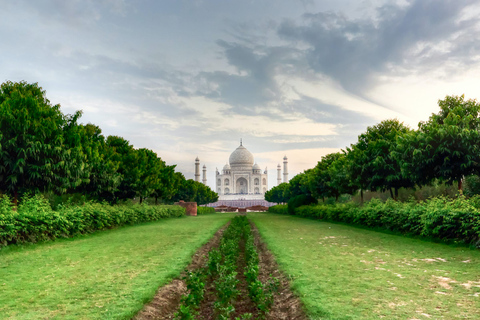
(241, 178)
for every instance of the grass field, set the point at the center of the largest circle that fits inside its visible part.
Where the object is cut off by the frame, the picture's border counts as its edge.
(107, 275)
(342, 272)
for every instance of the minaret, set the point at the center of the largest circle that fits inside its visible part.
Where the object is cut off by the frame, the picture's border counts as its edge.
(204, 175)
(285, 169)
(197, 170)
(279, 174)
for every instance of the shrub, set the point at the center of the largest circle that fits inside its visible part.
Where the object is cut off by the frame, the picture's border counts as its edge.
(205, 210)
(442, 218)
(279, 208)
(298, 201)
(35, 220)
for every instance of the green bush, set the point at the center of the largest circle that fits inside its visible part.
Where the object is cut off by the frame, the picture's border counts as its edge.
(442, 218)
(279, 208)
(204, 210)
(298, 201)
(35, 220)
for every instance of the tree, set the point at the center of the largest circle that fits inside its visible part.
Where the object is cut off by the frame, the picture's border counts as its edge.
(146, 173)
(124, 154)
(277, 193)
(168, 186)
(39, 147)
(446, 147)
(380, 168)
(103, 176)
(330, 177)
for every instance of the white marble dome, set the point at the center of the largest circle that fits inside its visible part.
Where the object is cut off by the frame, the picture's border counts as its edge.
(226, 167)
(241, 157)
(256, 167)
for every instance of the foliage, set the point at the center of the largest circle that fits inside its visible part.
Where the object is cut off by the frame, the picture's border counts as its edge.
(104, 178)
(441, 218)
(472, 185)
(278, 194)
(205, 210)
(298, 201)
(36, 221)
(446, 146)
(40, 149)
(279, 208)
(377, 166)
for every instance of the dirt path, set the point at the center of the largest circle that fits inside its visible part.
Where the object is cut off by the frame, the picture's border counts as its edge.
(286, 305)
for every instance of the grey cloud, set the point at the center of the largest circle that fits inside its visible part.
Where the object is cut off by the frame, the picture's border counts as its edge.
(352, 51)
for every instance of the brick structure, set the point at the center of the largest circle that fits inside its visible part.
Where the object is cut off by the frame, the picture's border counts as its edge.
(190, 207)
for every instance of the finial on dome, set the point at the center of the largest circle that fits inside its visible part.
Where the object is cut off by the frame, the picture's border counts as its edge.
(241, 142)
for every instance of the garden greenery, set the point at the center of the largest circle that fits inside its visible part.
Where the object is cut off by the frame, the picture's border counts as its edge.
(35, 220)
(442, 218)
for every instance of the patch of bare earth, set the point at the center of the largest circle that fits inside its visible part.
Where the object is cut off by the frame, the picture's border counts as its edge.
(167, 299)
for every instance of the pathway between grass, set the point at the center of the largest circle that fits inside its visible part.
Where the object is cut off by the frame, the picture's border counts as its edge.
(107, 275)
(342, 272)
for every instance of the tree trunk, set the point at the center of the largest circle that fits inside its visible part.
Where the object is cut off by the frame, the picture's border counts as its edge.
(141, 200)
(391, 194)
(460, 184)
(156, 200)
(396, 194)
(361, 197)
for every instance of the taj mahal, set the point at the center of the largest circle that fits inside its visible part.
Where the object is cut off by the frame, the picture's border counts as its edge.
(242, 178)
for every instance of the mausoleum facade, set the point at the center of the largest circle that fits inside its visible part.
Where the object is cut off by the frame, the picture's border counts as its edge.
(241, 177)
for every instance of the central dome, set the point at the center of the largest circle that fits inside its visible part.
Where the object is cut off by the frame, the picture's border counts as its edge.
(241, 157)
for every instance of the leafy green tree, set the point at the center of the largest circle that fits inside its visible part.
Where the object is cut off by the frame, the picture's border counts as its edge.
(124, 154)
(167, 186)
(103, 178)
(380, 169)
(204, 194)
(330, 177)
(146, 173)
(446, 147)
(40, 149)
(277, 193)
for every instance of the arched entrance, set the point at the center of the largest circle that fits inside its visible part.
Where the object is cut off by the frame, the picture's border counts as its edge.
(242, 186)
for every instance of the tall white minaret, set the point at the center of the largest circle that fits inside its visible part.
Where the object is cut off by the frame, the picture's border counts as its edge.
(279, 174)
(204, 180)
(197, 170)
(285, 169)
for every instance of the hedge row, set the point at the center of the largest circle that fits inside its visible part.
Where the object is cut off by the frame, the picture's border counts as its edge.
(442, 218)
(204, 210)
(35, 220)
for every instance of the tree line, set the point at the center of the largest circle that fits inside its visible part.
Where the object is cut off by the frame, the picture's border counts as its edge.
(390, 156)
(43, 150)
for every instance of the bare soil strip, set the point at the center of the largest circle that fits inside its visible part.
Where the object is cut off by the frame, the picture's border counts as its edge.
(285, 306)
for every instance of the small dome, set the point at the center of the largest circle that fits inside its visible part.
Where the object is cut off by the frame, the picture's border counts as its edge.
(197, 160)
(256, 167)
(241, 157)
(226, 167)
(285, 158)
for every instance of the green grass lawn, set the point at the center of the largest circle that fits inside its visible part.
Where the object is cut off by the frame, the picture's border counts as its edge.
(343, 272)
(106, 275)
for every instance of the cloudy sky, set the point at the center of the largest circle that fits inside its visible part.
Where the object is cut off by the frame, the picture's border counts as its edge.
(296, 77)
